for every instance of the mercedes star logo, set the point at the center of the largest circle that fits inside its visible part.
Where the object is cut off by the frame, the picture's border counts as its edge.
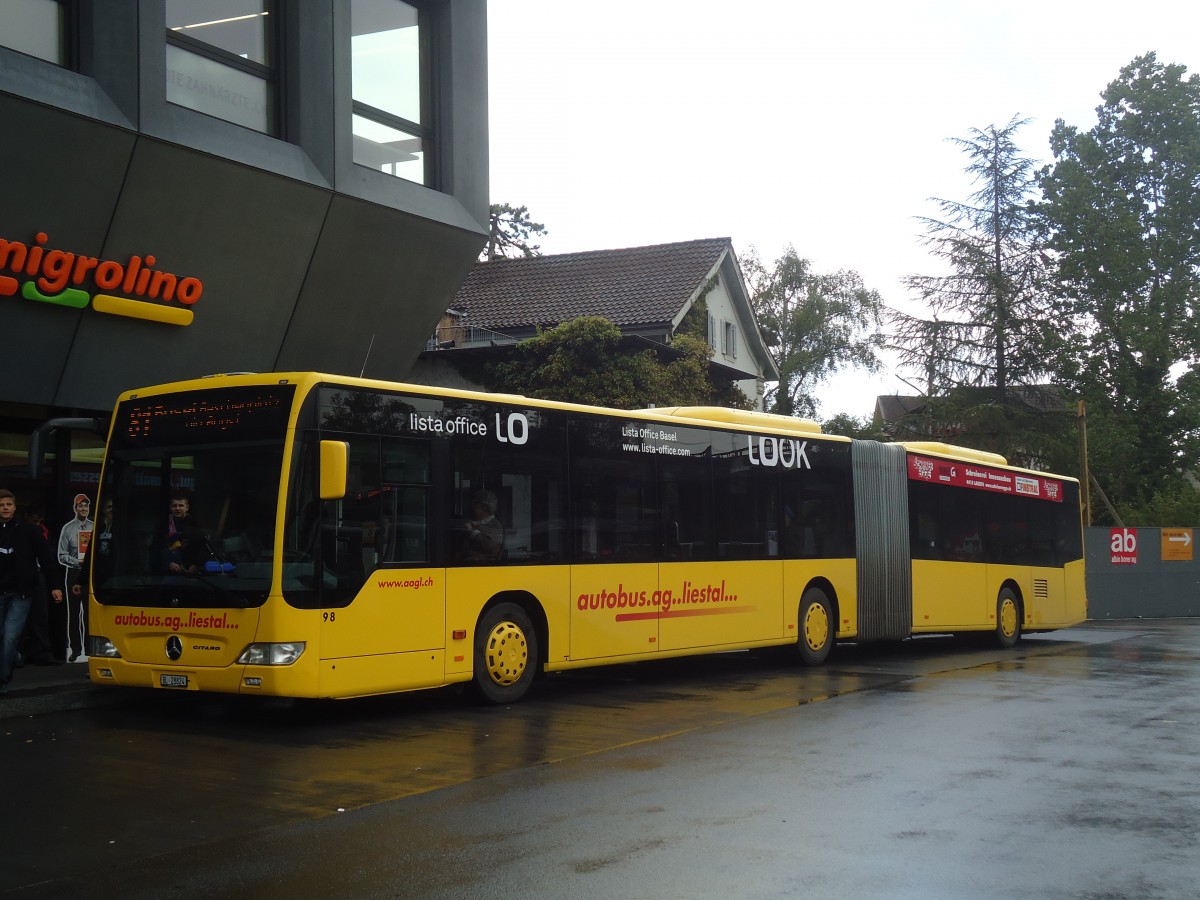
(174, 648)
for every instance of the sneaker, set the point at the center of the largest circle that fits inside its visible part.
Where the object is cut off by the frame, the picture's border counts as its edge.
(73, 657)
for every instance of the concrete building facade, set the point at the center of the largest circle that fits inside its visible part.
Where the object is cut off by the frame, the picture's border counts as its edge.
(229, 185)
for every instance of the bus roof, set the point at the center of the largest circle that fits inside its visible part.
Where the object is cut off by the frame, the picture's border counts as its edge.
(718, 416)
(695, 415)
(729, 416)
(965, 453)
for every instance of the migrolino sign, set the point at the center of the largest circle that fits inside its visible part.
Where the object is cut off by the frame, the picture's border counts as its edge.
(129, 288)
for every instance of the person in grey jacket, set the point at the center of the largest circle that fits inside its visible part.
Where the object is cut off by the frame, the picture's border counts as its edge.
(73, 542)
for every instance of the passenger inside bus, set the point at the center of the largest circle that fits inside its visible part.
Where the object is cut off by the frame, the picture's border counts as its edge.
(483, 535)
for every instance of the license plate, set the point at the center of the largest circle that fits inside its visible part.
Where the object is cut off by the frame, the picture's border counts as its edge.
(173, 681)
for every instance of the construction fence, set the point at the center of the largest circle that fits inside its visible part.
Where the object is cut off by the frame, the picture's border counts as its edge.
(1150, 573)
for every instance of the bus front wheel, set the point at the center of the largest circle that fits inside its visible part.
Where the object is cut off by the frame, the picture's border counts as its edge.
(1008, 619)
(817, 626)
(506, 654)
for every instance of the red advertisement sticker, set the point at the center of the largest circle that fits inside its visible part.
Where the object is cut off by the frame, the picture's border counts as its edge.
(983, 478)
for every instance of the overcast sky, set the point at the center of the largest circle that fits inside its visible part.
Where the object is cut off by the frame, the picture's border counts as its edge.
(776, 122)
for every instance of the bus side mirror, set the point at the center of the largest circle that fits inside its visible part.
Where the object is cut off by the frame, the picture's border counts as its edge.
(335, 456)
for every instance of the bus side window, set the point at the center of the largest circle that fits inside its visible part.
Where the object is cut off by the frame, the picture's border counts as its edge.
(508, 488)
(1068, 527)
(958, 516)
(302, 498)
(817, 519)
(923, 513)
(1008, 531)
(615, 510)
(685, 495)
(402, 534)
(745, 504)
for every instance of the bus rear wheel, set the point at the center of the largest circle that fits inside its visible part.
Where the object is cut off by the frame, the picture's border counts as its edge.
(816, 627)
(1008, 619)
(506, 653)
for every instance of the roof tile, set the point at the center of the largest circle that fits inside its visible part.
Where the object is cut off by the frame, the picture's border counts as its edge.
(632, 286)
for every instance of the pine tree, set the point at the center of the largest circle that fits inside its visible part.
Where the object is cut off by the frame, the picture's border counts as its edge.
(986, 345)
(988, 322)
(511, 233)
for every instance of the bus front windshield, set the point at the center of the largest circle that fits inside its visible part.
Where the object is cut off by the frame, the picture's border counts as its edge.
(190, 522)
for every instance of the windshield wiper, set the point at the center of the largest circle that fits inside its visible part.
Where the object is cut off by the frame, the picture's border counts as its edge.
(218, 589)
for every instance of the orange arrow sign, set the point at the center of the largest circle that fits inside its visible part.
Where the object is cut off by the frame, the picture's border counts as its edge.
(1177, 544)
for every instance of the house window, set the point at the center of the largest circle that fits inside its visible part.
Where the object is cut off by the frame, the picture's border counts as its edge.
(712, 331)
(391, 121)
(221, 60)
(729, 339)
(35, 27)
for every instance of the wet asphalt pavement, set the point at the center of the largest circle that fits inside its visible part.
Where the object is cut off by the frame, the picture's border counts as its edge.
(931, 768)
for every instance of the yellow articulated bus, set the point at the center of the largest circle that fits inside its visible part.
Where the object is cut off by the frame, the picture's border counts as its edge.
(309, 535)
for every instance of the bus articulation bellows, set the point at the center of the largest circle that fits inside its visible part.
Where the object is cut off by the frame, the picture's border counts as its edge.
(350, 537)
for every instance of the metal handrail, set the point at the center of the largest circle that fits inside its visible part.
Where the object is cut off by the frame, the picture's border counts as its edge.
(446, 337)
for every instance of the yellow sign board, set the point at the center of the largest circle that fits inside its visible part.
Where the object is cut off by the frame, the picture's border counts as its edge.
(1177, 544)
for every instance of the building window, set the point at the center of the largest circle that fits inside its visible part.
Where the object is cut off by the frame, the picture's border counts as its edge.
(729, 339)
(221, 60)
(391, 123)
(712, 331)
(35, 27)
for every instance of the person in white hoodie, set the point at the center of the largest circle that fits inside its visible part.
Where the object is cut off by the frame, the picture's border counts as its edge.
(73, 543)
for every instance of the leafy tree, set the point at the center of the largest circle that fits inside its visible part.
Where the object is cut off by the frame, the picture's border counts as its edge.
(1121, 205)
(1176, 503)
(850, 426)
(687, 380)
(582, 361)
(1035, 428)
(511, 233)
(695, 320)
(813, 326)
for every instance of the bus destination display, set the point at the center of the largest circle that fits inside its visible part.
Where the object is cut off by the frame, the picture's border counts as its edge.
(200, 417)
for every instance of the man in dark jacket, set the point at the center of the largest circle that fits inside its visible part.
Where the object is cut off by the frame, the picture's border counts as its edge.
(185, 541)
(22, 549)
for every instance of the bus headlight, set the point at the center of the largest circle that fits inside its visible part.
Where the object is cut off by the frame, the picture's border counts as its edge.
(101, 646)
(271, 654)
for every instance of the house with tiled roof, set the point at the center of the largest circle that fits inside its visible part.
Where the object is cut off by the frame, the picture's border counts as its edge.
(898, 414)
(645, 291)
(907, 417)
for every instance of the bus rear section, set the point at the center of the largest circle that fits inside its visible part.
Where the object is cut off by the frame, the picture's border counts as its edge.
(954, 540)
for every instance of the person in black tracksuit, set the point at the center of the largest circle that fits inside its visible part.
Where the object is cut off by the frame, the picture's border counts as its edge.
(22, 549)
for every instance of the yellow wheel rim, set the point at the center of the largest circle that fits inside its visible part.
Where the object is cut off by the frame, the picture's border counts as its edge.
(816, 627)
(506, 654)
(1008, 617)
